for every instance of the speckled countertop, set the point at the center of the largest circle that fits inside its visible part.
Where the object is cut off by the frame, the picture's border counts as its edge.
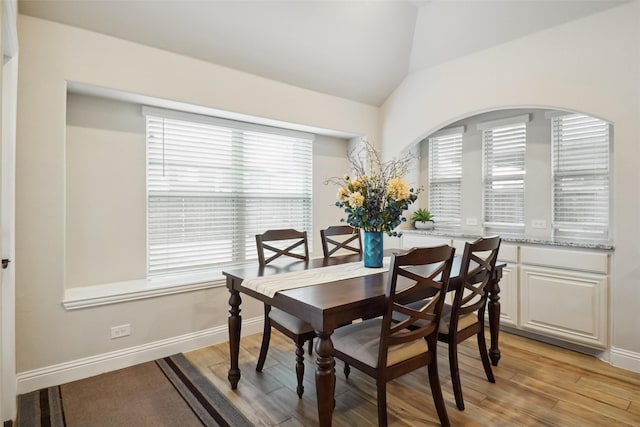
(607, 246)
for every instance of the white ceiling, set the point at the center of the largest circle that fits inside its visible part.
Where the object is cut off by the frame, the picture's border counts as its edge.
(355, 49)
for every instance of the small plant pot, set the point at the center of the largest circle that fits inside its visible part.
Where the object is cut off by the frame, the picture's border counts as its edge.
(423, 225)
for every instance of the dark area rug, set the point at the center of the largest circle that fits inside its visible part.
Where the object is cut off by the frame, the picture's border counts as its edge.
(165, 392)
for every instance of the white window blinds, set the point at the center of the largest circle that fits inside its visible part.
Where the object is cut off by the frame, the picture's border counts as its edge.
(580, 161)
(445, 179)
(503, 178)
(214, 184)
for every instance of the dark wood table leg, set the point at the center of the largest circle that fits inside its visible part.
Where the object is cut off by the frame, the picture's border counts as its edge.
(235, 322)
(494, 317)
(325, 378)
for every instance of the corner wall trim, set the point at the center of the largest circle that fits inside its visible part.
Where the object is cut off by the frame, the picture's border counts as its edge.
(625, 359)
(89, 366)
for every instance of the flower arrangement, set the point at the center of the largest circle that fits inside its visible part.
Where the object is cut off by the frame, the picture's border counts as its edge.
(376, 196)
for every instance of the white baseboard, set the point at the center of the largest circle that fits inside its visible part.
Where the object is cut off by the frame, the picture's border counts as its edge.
(625, 359)
(89, 366)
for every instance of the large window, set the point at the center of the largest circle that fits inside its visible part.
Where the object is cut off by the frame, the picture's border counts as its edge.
(213, 184)
(580, 162)
(504, 148)
(445, 177)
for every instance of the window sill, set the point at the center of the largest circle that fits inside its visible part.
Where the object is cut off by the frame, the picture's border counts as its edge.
(118, 292)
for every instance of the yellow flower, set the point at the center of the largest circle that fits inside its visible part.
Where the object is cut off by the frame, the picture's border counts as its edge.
(356, 199)
(398, 189)
(342, 193)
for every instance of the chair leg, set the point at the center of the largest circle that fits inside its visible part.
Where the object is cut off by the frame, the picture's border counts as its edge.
(484, 356)
(455, 374)
(311, 347)
(266, 337)
(382, 404)
(436, 392)
(347, 370)
(300, 368)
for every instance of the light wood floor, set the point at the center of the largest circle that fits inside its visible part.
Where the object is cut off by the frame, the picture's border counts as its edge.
(536, 385)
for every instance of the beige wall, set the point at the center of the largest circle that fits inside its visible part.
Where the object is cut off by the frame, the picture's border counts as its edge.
(591, 65)
(53, 54)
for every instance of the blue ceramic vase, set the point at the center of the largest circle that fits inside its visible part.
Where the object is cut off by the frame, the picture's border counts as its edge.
(373, 249)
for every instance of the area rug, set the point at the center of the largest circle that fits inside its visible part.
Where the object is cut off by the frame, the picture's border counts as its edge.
(165, 392)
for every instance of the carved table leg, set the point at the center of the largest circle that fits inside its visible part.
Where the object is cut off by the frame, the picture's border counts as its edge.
(494, 317)
(235, 322)
(325, 378)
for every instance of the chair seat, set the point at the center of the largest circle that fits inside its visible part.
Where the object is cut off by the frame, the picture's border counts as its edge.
(290, 322)
(362, 340)
(464, 321)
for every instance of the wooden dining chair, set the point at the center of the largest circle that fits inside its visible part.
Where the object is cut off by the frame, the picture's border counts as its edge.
(342, 238)
(384, 349)
(464, 318)
(272, 245)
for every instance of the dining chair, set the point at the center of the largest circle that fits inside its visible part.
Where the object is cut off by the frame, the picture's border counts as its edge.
(464, 317)
(384, 349)
(272, 245)
(343, 238)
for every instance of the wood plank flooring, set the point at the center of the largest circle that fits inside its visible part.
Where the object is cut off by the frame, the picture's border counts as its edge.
(536, 385)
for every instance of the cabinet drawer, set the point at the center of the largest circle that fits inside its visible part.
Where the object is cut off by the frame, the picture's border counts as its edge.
(595, 262)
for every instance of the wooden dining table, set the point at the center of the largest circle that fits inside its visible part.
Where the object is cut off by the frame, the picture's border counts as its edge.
(327, 306)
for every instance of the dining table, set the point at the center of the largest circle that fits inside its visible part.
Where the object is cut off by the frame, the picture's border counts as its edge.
(327, 301)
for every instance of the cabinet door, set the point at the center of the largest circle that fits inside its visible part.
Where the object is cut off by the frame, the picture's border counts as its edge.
(565, 304)
(509, 296)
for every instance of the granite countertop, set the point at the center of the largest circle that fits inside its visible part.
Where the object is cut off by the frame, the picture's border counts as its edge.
(609, 246)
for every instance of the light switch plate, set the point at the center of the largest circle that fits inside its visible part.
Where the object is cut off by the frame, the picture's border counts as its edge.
(472, 221)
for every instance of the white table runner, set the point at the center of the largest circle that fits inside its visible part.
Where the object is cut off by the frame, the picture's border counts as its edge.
(270, 285)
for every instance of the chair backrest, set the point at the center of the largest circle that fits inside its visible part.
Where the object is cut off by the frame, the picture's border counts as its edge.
(339, 237)
(418, 273)
(476, 270)
(285, 242)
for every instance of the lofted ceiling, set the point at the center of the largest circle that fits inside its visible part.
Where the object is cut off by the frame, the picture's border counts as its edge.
(354, 49)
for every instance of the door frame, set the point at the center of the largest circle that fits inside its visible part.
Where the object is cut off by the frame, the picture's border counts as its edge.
(8, 113)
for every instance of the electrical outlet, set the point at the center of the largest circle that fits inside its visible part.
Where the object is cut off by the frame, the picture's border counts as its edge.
(120, 331)
(539, 223)
(472, 221)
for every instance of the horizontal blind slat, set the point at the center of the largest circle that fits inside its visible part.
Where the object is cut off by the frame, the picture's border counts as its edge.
(580, 165)
(445, 179)
(503, 176)
(212, 187)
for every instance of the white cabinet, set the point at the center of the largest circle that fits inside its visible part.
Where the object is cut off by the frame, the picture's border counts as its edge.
(556, 292)
(564, 294)
(509, 308)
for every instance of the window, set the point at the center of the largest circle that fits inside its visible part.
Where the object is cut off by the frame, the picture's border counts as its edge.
(504, 144)
(213, 184)
(580, 162)
(445, 177)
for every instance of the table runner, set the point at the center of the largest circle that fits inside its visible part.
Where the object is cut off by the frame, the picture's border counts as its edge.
(270, 285)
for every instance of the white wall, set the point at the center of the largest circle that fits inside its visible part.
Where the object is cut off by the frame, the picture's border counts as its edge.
(591, 65)
(52, 55)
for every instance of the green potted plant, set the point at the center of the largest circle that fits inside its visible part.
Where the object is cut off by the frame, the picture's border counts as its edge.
(422, 219)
